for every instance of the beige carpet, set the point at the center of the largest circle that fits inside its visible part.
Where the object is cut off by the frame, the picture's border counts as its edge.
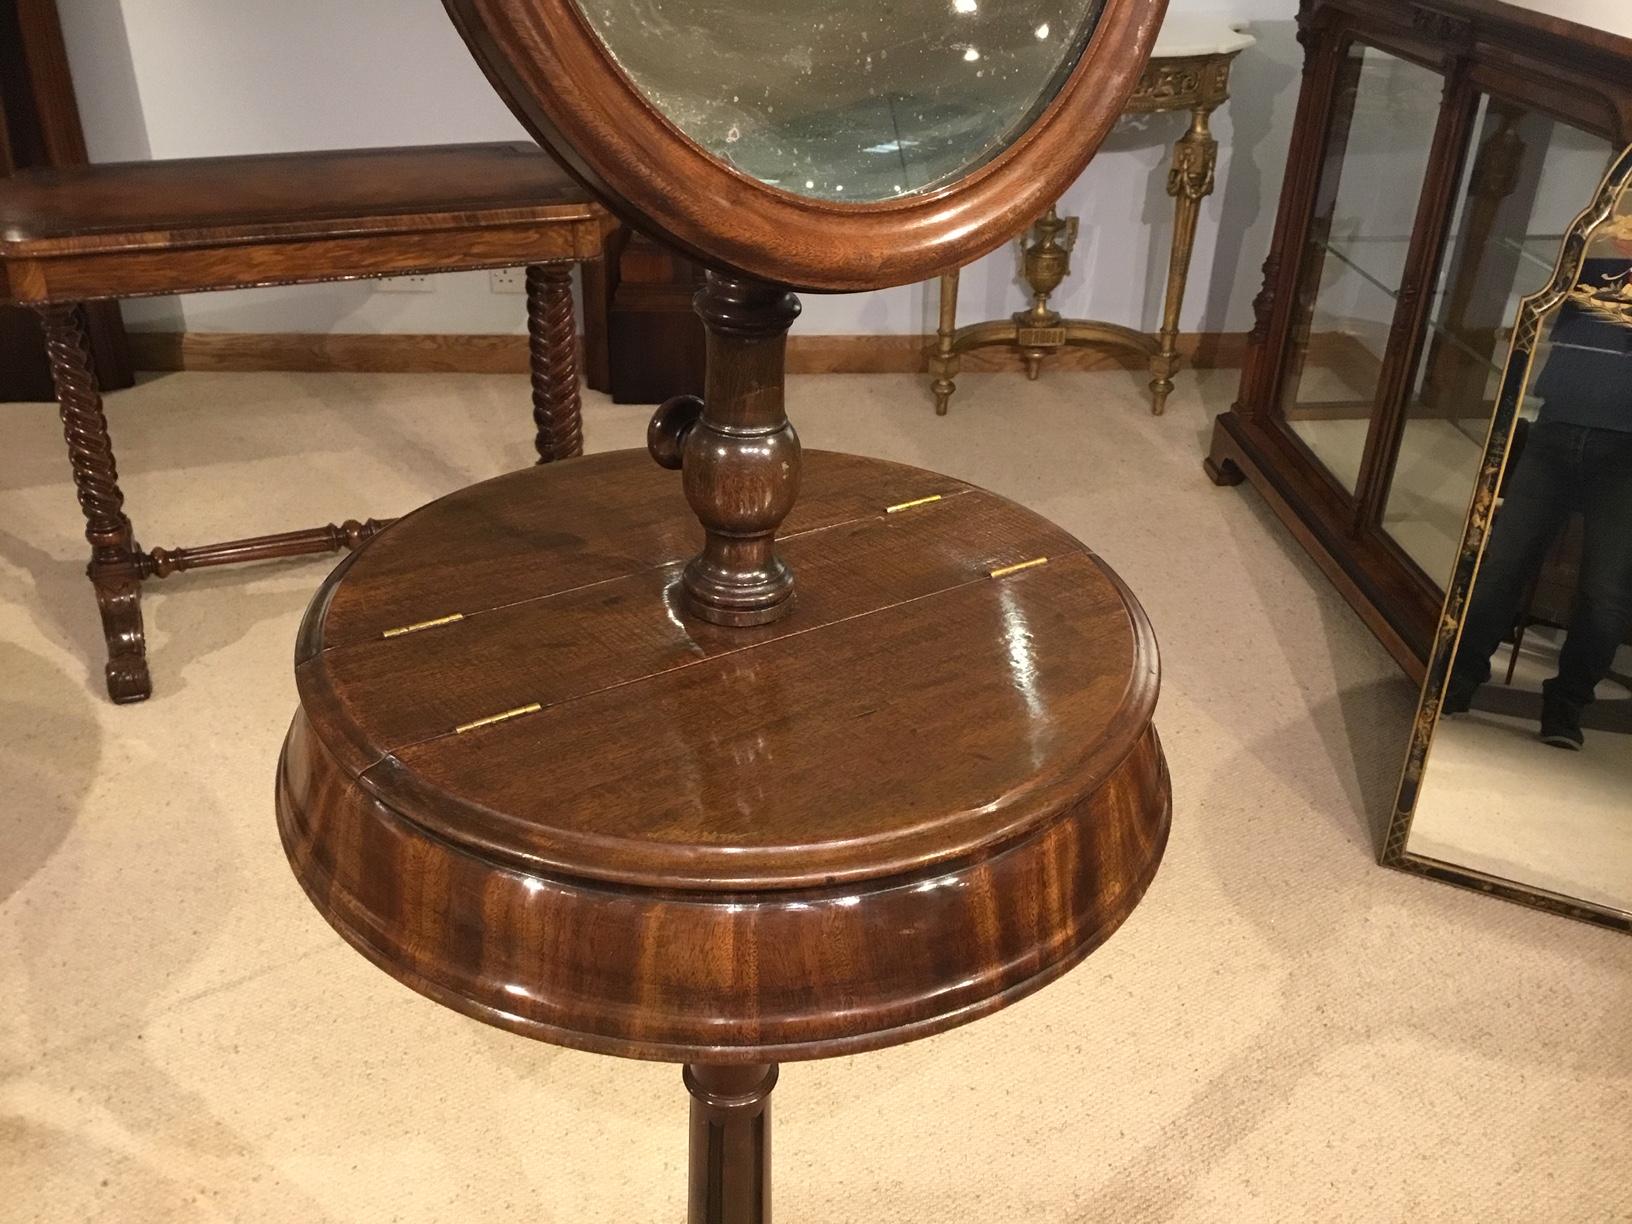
(1282, 1032)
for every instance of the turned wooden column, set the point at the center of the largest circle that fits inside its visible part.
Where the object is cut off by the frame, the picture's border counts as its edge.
(739, 454)
(730, 1143)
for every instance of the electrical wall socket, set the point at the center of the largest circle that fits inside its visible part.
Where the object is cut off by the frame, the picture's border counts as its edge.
(508, 280)
(403, 284)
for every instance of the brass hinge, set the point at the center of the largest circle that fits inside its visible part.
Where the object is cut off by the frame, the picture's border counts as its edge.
(1005, 571)
(908, 505)
(424, 624)
(530, 708)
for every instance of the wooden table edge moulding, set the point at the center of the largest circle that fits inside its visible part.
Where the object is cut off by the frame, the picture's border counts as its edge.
(1189, 70)
(560, 771)
(79, 235)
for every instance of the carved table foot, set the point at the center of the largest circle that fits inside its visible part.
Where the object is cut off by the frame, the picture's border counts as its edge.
(118, 587)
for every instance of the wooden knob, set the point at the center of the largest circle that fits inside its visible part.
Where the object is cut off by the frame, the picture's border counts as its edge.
(666, 435)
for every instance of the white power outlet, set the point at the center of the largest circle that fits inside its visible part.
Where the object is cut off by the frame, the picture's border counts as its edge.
(404, 284)
(508, 280)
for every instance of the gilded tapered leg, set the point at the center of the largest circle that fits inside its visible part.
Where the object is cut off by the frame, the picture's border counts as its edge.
(1189, 182)
(944, 362)
(552, 337)
(730, 1143)
(115, 569)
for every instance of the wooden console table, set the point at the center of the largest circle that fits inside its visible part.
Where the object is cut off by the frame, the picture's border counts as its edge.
(1188, 71)
(72, 236)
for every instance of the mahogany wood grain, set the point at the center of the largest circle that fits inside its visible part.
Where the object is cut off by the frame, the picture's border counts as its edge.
(552, 346)
(561, 81)
(681, 841)
(142, 228)
(638, 299)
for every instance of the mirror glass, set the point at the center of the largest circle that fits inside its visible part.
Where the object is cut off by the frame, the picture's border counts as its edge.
(1525, 776)
(848, 100)
(1523, 186)
(1383, 123)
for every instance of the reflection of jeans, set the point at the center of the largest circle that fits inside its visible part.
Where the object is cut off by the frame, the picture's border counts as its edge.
(1564, 468)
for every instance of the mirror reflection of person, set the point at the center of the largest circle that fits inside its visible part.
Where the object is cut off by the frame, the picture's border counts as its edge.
(1578, 458)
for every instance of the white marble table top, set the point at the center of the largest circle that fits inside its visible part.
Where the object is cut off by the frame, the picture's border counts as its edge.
(1189, 34)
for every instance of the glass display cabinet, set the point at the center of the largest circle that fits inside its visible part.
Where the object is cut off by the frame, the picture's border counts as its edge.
(1440, 152)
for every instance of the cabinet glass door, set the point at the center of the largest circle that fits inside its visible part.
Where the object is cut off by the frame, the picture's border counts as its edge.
(1385, 114)
(1523, 187)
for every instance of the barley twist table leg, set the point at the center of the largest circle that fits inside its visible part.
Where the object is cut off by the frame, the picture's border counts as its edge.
(1189, 182)
(115, 568)
(553, 347)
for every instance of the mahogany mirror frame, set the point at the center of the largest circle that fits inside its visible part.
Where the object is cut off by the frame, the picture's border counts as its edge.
(563, 84)
(1533, 314)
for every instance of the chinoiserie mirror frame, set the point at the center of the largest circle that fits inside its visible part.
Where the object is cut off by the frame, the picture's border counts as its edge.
(1534, 313)
(562, 82)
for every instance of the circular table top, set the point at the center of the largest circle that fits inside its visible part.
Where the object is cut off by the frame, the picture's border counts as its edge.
(913, 709)
(503, 708)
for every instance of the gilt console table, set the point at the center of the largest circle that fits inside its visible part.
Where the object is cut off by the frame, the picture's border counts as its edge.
(79, 235)
(1188, 71)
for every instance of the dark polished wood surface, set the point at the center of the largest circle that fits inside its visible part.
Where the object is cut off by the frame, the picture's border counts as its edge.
(739, 453)
(645, 339)
(116, 206)
(140, 228)
(561, 81)
(560, 805)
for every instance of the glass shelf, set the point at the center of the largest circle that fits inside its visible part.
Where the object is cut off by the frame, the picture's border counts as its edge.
(1494, 362)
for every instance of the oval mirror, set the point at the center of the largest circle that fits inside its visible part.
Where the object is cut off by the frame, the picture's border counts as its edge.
(853, 101)
(844, 145)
